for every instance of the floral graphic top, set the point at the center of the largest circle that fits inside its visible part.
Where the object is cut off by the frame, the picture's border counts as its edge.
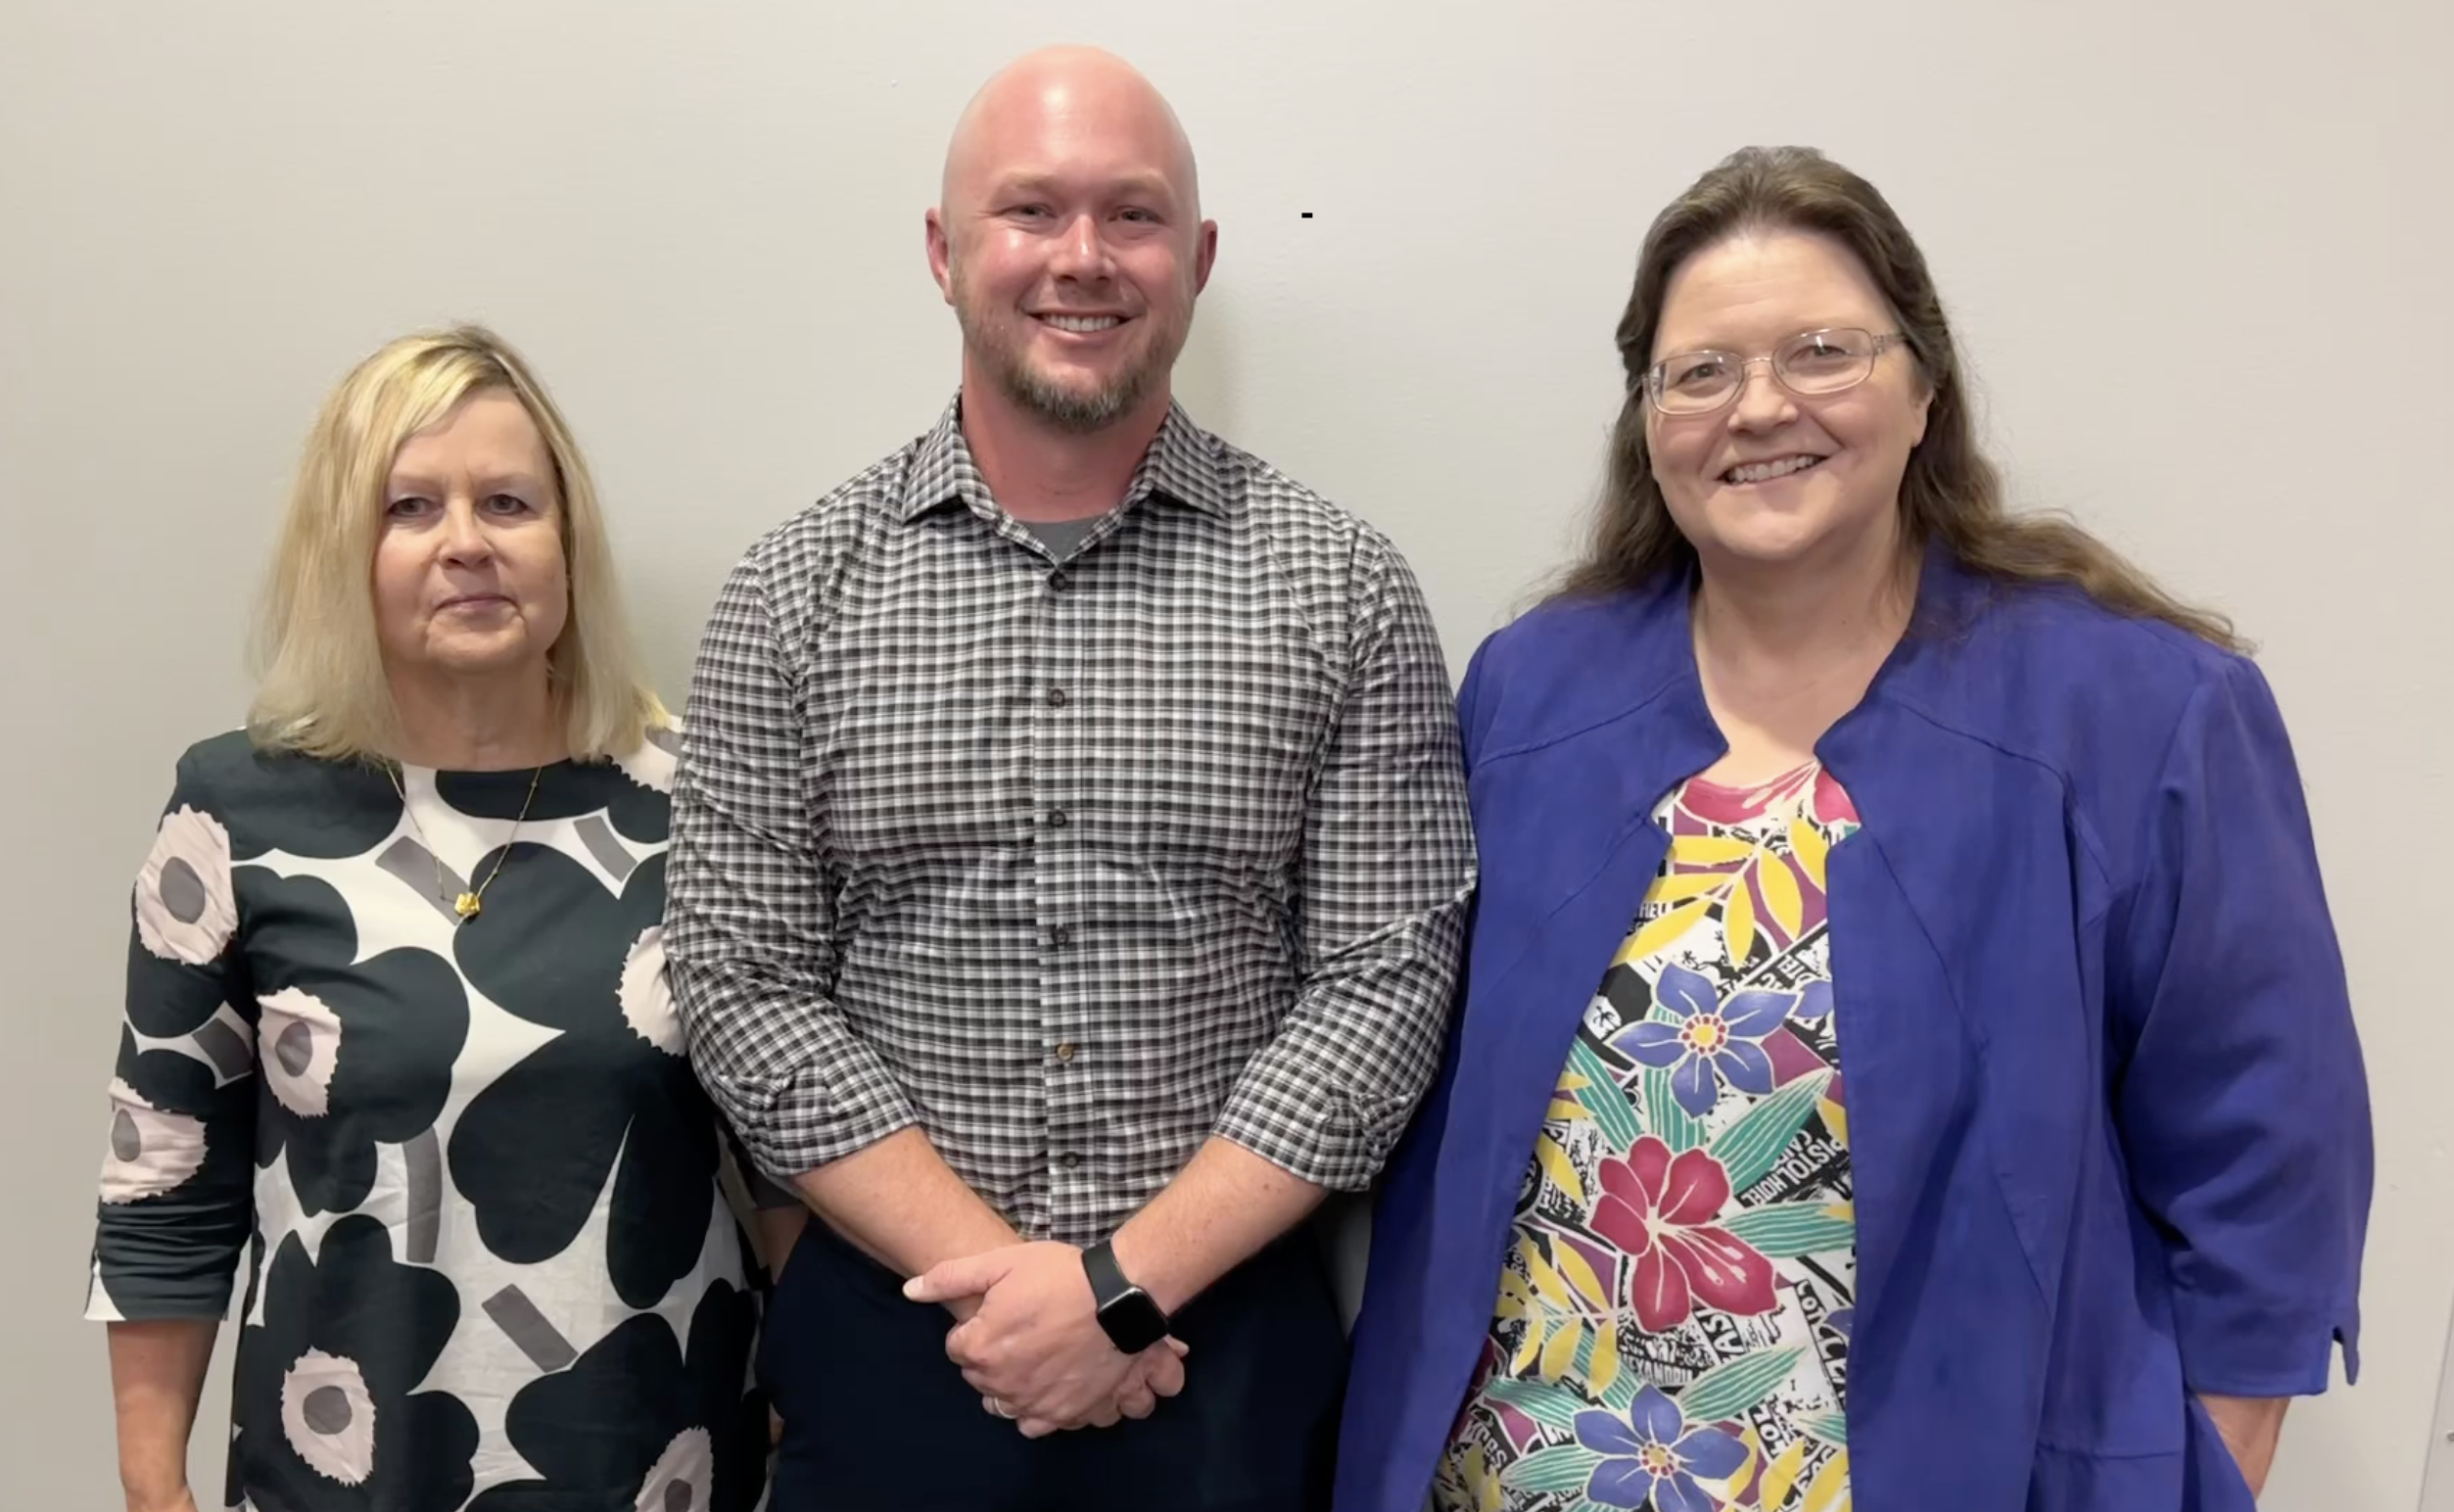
(463, 1165)
(1674, 1314)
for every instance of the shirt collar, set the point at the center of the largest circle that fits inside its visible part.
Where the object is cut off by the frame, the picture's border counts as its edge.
(1185, 464)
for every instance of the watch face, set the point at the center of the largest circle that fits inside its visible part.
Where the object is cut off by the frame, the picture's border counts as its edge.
(1133, 1321)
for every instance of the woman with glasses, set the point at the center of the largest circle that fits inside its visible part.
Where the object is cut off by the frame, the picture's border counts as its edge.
(1904, 1049)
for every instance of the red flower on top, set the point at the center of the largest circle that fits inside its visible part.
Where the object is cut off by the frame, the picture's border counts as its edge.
(1660, 1212)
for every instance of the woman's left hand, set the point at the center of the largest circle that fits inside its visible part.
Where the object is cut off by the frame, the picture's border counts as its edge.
(2250, 1426)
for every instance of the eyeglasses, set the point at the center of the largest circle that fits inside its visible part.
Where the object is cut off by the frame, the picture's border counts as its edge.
(1810, 365)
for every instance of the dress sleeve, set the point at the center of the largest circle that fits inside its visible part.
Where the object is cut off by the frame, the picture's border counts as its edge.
(2242, 1099)
(178, 1179)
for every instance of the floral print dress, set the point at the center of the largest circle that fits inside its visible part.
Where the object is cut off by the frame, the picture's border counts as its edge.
(489, 1264)
(1674, 1315)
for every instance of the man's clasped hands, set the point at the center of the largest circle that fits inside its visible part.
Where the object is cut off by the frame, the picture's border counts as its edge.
(1028, 1339)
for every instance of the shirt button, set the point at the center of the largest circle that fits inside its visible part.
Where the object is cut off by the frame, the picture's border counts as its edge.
(1057, 699)
(1064, 1053)
(1057, 819)
(1060, 580)
(1069, 1160)
(1061, 937)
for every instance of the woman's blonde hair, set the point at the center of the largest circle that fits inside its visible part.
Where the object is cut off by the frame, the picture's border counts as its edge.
(322, 690)
(1949, 492)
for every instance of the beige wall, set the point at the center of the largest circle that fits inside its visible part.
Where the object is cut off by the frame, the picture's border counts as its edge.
(2199, 251)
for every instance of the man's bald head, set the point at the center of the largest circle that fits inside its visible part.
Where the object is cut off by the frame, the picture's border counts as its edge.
(1070, 92)
(1069, 240)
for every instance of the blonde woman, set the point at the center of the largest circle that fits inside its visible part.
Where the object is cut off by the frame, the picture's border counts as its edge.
(397, 1026)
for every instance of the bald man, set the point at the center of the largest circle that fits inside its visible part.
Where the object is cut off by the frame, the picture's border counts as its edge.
(1068, 872)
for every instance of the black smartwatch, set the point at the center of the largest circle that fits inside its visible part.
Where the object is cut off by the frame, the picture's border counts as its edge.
(1132, 1321)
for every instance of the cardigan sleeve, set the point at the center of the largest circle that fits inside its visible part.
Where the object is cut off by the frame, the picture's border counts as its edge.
(2241, 1096)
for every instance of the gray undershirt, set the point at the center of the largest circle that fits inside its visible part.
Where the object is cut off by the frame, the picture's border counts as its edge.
(1062, 538)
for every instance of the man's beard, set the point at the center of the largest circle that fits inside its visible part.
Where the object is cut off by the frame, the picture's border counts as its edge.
(1072, 410)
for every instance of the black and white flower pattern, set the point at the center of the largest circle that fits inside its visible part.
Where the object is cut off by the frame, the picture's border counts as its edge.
(354, 1054)
(692, 1442)
(175, 1156)
(184, 909)
(327, 1406)
(464, 1166)
(152, 1150)
(533, 1153)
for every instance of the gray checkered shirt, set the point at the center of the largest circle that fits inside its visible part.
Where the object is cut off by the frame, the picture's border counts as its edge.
(1071, 865)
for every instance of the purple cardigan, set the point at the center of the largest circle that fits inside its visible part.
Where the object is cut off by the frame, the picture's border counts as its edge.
(2109, 1120)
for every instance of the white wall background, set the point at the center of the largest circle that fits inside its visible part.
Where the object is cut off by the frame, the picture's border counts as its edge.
(2198, 252)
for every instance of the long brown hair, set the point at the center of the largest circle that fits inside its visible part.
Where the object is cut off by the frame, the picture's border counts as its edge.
(1949, 492)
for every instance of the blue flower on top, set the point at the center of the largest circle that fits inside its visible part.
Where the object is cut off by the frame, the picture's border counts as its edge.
(1651, 1453)
(1710, 1036)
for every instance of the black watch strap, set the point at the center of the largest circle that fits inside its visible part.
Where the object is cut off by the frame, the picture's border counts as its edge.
(1108, 1278)
(1132, 1321)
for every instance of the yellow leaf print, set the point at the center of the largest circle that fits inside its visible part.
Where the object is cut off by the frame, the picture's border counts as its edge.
(1605, 1358)
(1680, 886)
(1807, 843)
(1830, 1491)
(1572, 1264)
(1565, 1110)
(1738, 923)
(1737, 1486)
(1569, 1084)
(1780, 893)
(1563, 1173)
(1474, 1479)
(1513, 1288)
(1660, 933)
(1561, 1351)
(1835, 1118)
(1547, 1285)
(1516, 1299)
(1709, 850)
(1782, 1473)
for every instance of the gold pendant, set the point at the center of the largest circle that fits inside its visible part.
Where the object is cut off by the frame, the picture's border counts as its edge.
(466, 904)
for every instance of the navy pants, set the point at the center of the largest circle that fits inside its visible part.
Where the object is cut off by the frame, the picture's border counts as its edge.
(876, 1419)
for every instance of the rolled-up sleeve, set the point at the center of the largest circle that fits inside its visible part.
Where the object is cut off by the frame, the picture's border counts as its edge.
(749, 913)
(177, 1200)
(2243, 1103)
(1386, 873)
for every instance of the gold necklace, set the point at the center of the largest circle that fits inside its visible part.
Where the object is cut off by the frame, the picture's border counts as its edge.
(467, 904)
